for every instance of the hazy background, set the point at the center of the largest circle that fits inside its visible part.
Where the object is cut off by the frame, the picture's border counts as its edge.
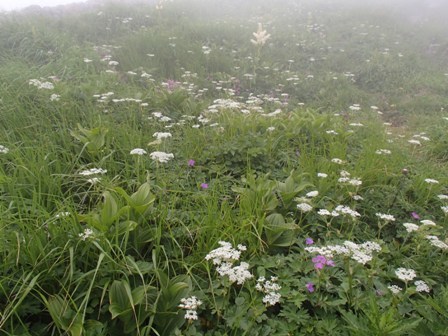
(19, 4)
(407, 4)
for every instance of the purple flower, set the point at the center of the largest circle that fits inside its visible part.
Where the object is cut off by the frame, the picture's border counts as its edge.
(318, 265)
(310, 287)
(309, 241)
(204, 185)
(415, 215)
(191, 163)
(320, 261)
(330, 263)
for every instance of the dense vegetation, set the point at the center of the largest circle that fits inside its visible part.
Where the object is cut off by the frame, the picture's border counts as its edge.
(161, 174)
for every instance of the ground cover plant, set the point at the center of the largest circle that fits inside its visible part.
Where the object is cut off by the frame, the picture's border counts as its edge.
(223, 168)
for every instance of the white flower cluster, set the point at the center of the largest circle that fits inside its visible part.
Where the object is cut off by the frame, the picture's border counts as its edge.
(355, 107)
(322, 175)
(444, 209)
(88, 233)
(415, 142)
(386, 217)
(421, 136)
(395, 289)
(224, 257)
(340, 210)
(355, 182)
(41, 85)
(312, 194)
(191, 305)
(345, 178)
(325, 212)
(161, 156)
(333, 132)
(162, 135)
(410, 227)
(62, 214)
(361, 253)
(161, 117)
(138, 151)
(345, 210)
(427, 222)
(270, 288)
(383, 152)
(55, 97)
(431, 181)
(337, 161)
(443, 197)
(261, 36)
(3, 149)
(405, 274)
(93, 171)
(304, 207)
(421, 286)
(435, 241)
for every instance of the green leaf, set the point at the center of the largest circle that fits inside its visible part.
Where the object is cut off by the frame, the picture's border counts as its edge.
(64, 317)
(126, 226)
(109, 211)
(120, 298)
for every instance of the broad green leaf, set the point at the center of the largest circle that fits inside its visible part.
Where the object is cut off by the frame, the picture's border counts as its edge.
(120, 298)
(110, 209)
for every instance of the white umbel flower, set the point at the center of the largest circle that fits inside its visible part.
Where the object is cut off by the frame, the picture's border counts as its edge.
(138, 151)
(162, 135)
(161, 156)
(304, 207)
(405, 274)
(421, 286)
(395, 289)
(410, 227)
(3, 149)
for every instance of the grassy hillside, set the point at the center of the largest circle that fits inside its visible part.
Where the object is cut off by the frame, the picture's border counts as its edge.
(162, 175)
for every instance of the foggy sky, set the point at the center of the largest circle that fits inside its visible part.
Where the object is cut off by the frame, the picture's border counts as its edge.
(19, 4)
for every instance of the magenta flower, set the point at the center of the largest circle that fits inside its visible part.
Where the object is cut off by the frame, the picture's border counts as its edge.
(191, 163)
(310, 287)
(318, 265)
(415, 215)
(320, 261)
(330, 263)
(204, 185)
(309, 241)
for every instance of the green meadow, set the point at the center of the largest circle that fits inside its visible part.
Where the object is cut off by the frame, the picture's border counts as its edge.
(195, 167)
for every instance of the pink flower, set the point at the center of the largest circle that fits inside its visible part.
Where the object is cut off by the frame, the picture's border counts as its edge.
(309, 241)
(191, 163)
(318, 265)
(320, 261)
(204, 185)
(330, 263)
(310, 287)
(415, 215)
